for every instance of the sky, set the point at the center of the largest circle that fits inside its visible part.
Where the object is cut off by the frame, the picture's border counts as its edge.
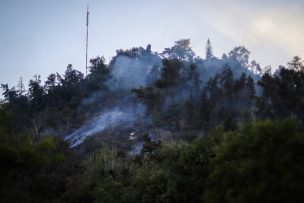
(43, 37)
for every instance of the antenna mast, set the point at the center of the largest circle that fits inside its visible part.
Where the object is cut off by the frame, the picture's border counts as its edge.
(87, 39)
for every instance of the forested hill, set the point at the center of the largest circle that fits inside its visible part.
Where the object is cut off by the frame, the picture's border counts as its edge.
(156, 127)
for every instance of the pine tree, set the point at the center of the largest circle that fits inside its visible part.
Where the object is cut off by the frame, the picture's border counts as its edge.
(209, 50)
(21, 88)
(296, 64)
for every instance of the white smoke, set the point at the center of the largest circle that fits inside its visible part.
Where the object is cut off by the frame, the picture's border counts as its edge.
(100, 123)
(128, 73)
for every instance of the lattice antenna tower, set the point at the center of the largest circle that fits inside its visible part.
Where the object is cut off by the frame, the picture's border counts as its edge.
(87, 39)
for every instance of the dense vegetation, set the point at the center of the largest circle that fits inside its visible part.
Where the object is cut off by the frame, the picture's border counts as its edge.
(213, 130)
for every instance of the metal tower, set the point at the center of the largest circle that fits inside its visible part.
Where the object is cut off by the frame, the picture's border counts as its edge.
(87, 39)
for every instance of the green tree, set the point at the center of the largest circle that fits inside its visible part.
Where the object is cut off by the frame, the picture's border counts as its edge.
(260, 163)
(296, 64)
(36, 94)
(180, 51)
(170, 74)
(99, 73)
(209, 50)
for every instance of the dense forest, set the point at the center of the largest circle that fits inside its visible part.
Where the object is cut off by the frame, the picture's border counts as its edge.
(156, 127)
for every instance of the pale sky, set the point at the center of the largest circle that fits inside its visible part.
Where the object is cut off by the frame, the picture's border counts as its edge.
(44, 36)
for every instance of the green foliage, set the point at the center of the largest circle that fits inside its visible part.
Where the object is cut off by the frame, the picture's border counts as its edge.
(282, 95)
(181, 51)
(170, 75)
(260, 163)
(101, 179)
(227, 101)
(215, 151)
(296, 64)
(36, 94)
(31, 172)
(98, 75)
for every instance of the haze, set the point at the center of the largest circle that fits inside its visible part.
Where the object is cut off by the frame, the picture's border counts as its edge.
(43, 37)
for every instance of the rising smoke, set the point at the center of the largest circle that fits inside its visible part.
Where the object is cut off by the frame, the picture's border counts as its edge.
(140, 67)
(108, 119)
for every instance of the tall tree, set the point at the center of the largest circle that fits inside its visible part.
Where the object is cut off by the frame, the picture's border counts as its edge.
(36, 94)
(259, 163)
(241, 55)
(209, 50)
(72, 77)
(296, 64)
(181, 51)
(21, 87)
(99, 73)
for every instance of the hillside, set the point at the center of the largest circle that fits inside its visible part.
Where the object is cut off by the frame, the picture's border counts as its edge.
(156, 127)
